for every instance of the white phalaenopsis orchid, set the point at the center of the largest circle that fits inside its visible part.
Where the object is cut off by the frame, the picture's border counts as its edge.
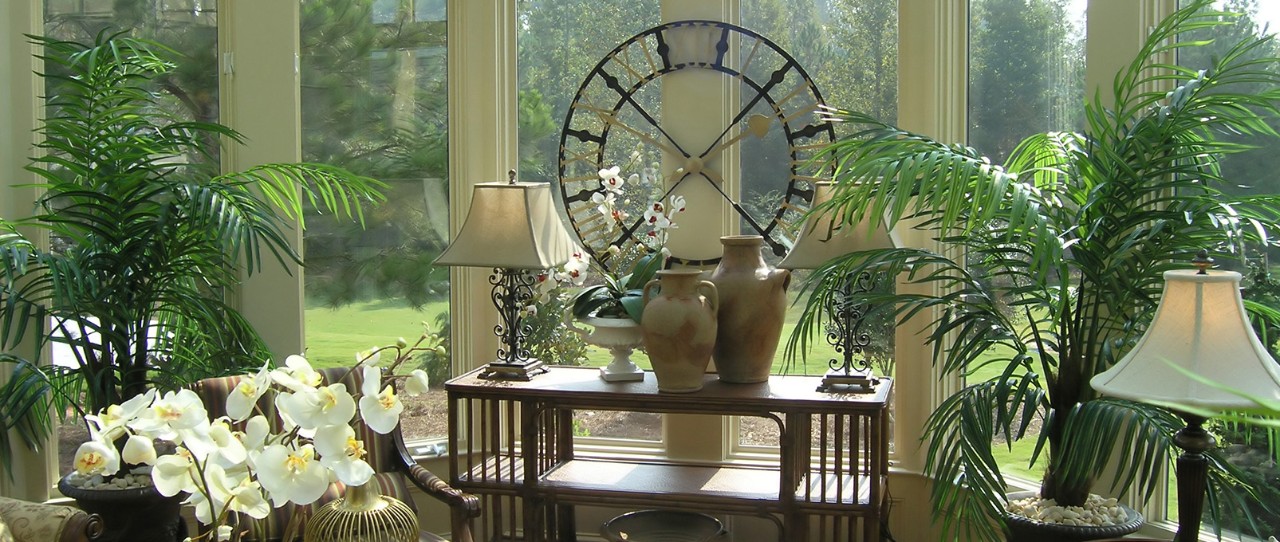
(417, 383)
(343, 454)
(380, 409)
(297, 374)
(247, 392)
(312, 408)
(226, 468)
(291, 474)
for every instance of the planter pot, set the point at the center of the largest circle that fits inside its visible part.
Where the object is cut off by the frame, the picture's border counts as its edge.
(1022, 529)
(679, 328)
(753, 305)
(620, 336)
(131, 515)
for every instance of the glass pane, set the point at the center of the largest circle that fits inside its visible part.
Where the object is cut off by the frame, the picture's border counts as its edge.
(1026, 76)
(558, 43)
(190, 92)
(373, 101)
(1254, 450)
(850, 50)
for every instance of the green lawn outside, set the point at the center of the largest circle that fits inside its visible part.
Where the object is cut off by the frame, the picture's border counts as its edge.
(335, 335)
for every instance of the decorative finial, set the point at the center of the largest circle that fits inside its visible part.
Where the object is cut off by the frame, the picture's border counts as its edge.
(511, 176)
(1202, 262)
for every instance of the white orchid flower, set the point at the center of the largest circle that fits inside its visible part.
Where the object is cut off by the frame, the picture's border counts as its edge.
(370, 357)
(677, 204)
(379, 409)
(292, 475)
(200, 507)
(224, 532)
(605, 202)
(417, 383)
(174, 473)
(328, 405)
(297, 374)
(229, 450)
(247, 392)
(96, 456)
(176, 416)
(139, 449)
(237, 493)
(611, 180)
(255, 433)
(656, 217)
(112, 420)
(343, 454)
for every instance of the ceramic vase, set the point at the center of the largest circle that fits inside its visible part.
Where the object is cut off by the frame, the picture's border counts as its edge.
(679, 328)
(753, 305)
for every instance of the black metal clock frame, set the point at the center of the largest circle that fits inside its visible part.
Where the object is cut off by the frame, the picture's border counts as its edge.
(782, 84)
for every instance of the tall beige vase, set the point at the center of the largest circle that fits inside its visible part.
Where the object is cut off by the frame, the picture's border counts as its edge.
(679, 328)
(753, 305)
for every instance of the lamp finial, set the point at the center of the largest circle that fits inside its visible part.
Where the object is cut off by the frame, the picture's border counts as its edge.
(511, 176)
(1202, 262)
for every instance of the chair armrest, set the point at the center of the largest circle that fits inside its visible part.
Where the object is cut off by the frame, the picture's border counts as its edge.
(51, 522)
(463, 507)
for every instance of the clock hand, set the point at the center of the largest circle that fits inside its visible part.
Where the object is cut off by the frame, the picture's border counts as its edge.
(757, 125)
(777, 77)
(610, 119)
(716, 181)
(645, 114)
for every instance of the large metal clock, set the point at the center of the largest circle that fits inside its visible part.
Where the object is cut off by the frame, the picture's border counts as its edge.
(616, 119)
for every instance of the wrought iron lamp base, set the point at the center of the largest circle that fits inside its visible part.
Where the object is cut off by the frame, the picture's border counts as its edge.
(497, 370)
(841, 380)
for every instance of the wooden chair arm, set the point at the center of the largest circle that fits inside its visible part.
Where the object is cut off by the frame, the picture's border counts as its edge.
(463, 507)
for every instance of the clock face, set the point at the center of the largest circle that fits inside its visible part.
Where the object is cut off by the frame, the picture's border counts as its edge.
(620, 118)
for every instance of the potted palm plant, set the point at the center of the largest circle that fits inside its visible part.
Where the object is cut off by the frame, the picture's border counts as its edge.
(1050, 265)
(145, 237)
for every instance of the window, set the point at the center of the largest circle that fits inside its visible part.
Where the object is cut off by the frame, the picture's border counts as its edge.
(373, 101)
(189, 26)
(1026, 75)
(850, 49)
(1254, 450)
(558, 42)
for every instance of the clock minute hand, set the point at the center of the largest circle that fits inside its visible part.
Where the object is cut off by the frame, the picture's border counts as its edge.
(757, 125)
(716, 180)
(610, 119)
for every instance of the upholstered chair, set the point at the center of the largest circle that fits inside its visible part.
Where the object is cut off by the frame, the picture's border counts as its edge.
(387, 454)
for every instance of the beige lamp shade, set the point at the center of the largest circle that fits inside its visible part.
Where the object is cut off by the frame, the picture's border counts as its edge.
(823, 237)
(1200, 326)
(511, 226)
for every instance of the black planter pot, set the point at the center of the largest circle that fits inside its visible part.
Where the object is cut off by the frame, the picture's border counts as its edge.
(1023, 529)
(137, 514)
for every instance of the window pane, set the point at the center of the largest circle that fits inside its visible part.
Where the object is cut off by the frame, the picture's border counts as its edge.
(1026, 76)
(373, 101)
(558, 43)
(191, 92)
(850, 50)
(1254, 450)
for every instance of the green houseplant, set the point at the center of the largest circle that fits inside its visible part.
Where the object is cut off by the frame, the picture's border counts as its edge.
(145, 237)
(1051, 265)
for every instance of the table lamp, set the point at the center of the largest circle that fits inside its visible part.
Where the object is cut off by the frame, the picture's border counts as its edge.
(513, 228)
(821, 239)
(1200, 327)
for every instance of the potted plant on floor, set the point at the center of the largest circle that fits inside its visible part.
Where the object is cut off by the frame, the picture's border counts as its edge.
(145, 238)
(1072, 235)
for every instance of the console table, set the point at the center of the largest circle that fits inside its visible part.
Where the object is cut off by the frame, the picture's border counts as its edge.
(828, 482)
